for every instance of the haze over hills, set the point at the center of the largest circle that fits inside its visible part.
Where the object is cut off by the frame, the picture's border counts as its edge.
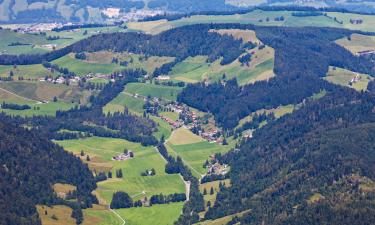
(28, 11)
(259, 116)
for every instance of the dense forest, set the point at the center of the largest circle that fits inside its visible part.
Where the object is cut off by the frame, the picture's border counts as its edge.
(325, 149)
(30, 165)
(298, 69)
(179, 42)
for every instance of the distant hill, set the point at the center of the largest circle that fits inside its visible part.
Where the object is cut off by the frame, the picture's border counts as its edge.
(28, 11)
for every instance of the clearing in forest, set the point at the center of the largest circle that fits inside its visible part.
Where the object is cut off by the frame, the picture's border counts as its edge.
(358, 43)
(348, 78)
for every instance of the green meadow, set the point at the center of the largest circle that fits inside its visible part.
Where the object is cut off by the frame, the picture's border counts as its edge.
(118, 104)
(34, 72)
(196, 154)
(101, 150)
(165, 214)
(45, 91)
(153, 90)
(40, 109)
(164, 129)
(262, 18)
(193, 149)
(343, 77)
(82, 68)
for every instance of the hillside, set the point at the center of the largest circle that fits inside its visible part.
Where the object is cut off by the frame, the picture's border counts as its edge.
(311, 167)
(266, 116)
(28, 11)
(30, 165)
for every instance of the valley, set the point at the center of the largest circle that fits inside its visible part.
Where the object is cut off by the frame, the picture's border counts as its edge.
(203, 119)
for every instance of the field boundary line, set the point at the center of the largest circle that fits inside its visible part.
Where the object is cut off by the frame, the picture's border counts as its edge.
(19, 96)
(118, 215)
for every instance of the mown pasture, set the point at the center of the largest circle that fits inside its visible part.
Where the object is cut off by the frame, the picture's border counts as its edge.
(101, 151)
(32, 72)
(165, 214)
(358, 43)
(118, 104)
(82, 67)
(343, 77)
(193, 149)
(158, 91)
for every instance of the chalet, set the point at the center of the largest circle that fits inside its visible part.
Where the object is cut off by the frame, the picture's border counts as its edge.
(163, 78)
(366, 53)
(123, 156)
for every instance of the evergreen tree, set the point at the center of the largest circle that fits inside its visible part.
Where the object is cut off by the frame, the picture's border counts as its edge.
(121, 200)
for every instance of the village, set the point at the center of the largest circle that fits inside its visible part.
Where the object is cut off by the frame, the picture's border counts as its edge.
(187, 118)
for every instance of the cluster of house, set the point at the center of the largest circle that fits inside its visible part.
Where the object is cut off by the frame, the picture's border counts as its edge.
(38, 27)
(214, 167)
(135, 15)
(61, 80)
(76, 79)
(355, 79)
(212, 135)
(175, 124)
(123, 156)
(163, 78)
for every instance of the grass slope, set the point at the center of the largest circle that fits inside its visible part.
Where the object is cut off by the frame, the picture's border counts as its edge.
(153, 90)
(156, 215)
(101, 151)
(343, 77)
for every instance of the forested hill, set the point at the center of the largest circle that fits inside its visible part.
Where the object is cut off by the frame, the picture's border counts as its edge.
(314, 166)
(29, 166)
(302, 57)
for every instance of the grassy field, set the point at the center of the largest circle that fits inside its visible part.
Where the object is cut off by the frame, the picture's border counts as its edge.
(63, 189)
(42, 109)
(196, 69)
(259, 17)
(82, 68)
(223, 220)
(171, 115)
(101, 151)
(33, 72)
(135, 105)
(197, 153)
(153, 90)
(36, 43)
(342, 77)
(278, 112)
(149, 64)
(156, 215)
(60, 212)
(358, 43)
(191, 70)
(183, 136)
(8, 37)
(163, 128)
(100, 215)
(193, 149)
(44, 91)
(244, 35)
